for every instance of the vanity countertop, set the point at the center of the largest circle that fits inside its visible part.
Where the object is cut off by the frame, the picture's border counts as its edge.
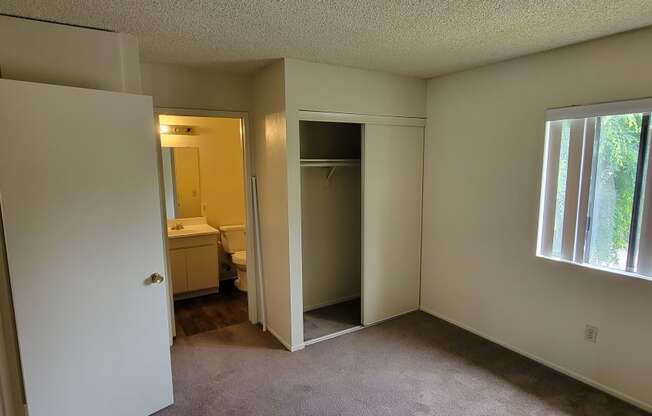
(192, 230)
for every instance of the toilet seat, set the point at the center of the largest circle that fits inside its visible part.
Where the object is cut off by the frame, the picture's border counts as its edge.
(239, 258)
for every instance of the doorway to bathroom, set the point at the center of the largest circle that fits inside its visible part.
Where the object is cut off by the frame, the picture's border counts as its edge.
(208, 204)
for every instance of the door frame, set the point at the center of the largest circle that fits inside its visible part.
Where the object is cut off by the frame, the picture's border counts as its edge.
(253, 302)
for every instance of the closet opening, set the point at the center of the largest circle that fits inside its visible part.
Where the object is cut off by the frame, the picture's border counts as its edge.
(331, 228)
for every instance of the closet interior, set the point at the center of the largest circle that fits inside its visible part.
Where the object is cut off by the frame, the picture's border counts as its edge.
(331, 227)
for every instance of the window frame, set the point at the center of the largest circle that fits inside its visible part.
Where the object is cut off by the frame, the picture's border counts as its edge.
(580, 175)
(639, 191)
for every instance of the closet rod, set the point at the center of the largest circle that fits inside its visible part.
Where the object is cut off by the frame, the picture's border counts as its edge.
(325, 163)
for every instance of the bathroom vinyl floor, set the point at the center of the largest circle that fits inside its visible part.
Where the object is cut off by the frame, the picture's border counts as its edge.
(331, 319)
(210, 312)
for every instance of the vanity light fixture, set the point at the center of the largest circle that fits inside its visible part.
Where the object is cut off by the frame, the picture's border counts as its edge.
(176, 129)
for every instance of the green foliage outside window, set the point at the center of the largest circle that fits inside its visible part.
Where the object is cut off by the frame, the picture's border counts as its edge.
(614, 188)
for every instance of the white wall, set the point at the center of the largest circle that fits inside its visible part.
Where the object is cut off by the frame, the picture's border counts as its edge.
(57, 54)
(320, 87)
(65, 55)
(484, 149)
(178, 86)
(269, 127)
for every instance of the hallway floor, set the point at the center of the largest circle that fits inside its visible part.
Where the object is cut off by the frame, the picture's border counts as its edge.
(210, 312)
(412, 365)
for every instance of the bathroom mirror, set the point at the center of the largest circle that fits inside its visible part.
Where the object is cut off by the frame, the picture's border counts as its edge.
(181, 182)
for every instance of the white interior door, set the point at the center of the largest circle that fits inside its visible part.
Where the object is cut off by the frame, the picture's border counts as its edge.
(82, 216)
(392, 174)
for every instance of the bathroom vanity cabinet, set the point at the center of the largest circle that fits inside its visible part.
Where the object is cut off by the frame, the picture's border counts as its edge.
(193, 263)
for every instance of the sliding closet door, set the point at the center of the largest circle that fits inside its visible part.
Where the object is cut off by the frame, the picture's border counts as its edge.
(392, 178)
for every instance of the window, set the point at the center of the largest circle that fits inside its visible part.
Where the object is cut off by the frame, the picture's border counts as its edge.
(595, 208)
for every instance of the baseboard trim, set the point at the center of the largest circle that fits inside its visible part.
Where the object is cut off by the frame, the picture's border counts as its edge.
(333, 335)
(606, 389)
(288, 346)
(355, 328)
(196, 293)
(330, 302)
(398, 315)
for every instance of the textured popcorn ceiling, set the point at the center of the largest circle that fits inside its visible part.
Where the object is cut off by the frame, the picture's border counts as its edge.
(421, 38)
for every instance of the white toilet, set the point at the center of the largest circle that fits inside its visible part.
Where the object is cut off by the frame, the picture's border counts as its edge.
(234, 241)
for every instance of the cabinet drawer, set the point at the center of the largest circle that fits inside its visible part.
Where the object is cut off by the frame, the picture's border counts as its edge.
(183, 242)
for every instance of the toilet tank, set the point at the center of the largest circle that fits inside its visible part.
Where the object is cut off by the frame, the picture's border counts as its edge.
(233, 238)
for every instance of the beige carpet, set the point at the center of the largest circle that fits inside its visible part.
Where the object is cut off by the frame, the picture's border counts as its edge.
(413, 365)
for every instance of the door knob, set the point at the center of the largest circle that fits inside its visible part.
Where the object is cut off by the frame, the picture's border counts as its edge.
(156, 278)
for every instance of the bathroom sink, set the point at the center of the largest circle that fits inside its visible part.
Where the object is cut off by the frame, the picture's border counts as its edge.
(191, 231)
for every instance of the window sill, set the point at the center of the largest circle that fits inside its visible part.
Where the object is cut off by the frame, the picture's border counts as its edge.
(616, 272)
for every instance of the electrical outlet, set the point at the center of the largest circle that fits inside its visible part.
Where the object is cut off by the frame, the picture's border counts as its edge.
(591, 333)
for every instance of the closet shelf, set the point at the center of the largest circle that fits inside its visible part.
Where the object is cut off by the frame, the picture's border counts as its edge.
(329, 163)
